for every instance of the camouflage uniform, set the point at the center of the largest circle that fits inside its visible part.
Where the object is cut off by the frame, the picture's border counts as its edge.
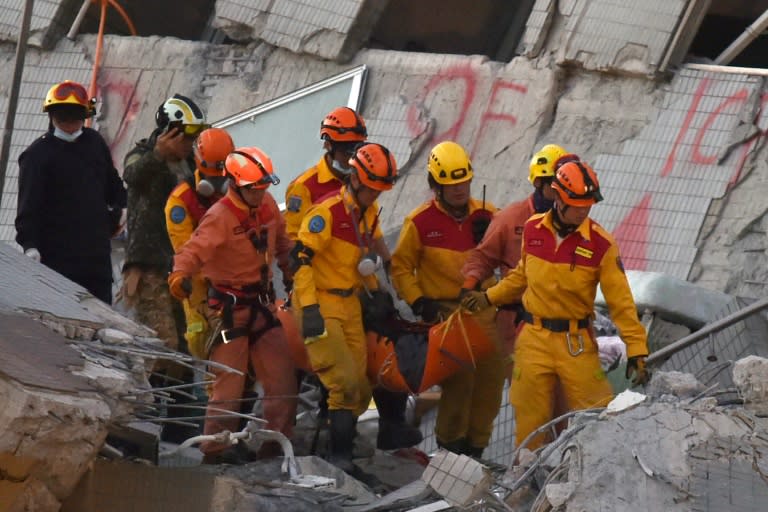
(149, 254)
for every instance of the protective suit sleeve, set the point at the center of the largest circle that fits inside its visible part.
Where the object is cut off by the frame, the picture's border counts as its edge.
(209, 235)
(178, 222)
(141, 167)
(298, 201)
(510, 289)
(405, 261)
(621, 304)
(31, 200)
(316, 240)
(487, 256)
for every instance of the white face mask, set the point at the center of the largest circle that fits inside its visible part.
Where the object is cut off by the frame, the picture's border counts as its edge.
(340, 169)
(65, 136)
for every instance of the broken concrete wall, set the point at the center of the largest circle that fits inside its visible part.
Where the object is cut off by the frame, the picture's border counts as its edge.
(332, 30)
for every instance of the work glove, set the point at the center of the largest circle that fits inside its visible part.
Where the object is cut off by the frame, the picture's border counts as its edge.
(475, 301)
(430, 310)
(33, 254)
(287, 283)
(180, 285)
(312, 323)
(636, 367)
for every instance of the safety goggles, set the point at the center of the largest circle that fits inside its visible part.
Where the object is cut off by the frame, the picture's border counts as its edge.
(189, 130)
(458, 174)
(264, 182)
(66, 89)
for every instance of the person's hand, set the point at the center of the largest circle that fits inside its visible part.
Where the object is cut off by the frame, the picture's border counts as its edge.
(180, 285)
(430, 310)
(475, 301)
(636, 367)
(287, 284)
(33, 253)
(312, 323)
(171, 146)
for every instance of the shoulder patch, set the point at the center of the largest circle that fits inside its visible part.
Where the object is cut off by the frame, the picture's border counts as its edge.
(294, 204)
(178, 214)
(316, 224)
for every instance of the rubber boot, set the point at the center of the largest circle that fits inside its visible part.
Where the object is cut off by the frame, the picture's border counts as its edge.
(394, 432)
(460, 446)
(342, 435)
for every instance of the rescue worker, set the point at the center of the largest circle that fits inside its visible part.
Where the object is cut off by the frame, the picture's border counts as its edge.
(565, 255)
(434, 243)
(341, 131)
(70, 194)
(335, 240)
(500, 247)
(183, 211)
(234, 247)
(152, 170)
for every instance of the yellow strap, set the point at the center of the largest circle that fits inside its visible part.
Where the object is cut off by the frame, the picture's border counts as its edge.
(457, 315)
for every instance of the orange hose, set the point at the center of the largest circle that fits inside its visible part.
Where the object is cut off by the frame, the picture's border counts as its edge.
(97, 56)
(125, 16)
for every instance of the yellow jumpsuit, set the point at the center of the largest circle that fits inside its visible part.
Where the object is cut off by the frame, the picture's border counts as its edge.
(183, 211)
(557, 279)
(427, 261)
(314, 184)
(332, 281)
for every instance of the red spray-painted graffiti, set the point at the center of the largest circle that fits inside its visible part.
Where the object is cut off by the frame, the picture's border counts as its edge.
(633, 232)
(123, 105)
(462, 81)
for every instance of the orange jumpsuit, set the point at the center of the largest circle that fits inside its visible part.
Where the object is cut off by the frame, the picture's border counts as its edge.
(222, 251)
(430, 253)
(183, 211)
(557, 280)
(500, 248)
(332, 281)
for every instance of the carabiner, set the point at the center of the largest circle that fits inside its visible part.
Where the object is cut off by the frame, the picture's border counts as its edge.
(580, 346)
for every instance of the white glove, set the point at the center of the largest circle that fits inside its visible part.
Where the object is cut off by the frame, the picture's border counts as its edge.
(33, 253)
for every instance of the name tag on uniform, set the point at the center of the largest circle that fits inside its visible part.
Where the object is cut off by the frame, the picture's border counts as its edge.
(583, 252)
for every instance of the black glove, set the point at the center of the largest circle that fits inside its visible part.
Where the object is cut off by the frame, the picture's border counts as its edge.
(430, 310)
(636, 367)
(480, 220)
(379, 313)
(312, 323)
(287, 284)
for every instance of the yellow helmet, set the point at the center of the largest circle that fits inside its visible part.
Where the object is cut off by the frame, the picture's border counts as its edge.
(449, 164)
(68, 93)
(543, 163)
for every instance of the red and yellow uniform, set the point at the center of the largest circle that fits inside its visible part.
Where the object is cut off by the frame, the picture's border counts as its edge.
(334, 231)
(221, 249)
(557, 280)
(500, 248)
(427, 262)
(314, 184)
(183, 212)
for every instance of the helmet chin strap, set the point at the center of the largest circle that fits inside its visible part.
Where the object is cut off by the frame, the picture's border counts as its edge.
(563, 229)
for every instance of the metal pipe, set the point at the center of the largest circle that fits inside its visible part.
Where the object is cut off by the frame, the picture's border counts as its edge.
(665, 353)
(79, 19)
(741, 42)
(13, 97)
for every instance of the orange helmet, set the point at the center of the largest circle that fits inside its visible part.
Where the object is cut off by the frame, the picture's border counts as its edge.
(375, 166)
(343, 124)
(576, 184)
(250, 167)
(211, 149)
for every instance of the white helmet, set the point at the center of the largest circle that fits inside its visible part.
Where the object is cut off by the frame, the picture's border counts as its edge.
(182, 110)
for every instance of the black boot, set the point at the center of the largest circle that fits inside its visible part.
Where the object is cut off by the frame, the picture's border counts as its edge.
(394, 432)
(342, 434)
(460, 446)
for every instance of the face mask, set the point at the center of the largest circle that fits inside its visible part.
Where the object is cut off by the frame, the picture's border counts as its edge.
(67, 137)
(340, 169)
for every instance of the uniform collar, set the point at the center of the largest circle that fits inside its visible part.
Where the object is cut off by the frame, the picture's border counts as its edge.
(583, 229)
(238, 201)
(472, 206)
(324, 173)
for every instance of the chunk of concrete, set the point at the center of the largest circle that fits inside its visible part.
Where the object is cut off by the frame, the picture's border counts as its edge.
(679, 384)
(750, 375)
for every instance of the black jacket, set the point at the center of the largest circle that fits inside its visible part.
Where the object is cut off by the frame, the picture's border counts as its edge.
(65, 192)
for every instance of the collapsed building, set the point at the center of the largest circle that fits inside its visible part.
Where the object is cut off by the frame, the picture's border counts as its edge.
(638, 89)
